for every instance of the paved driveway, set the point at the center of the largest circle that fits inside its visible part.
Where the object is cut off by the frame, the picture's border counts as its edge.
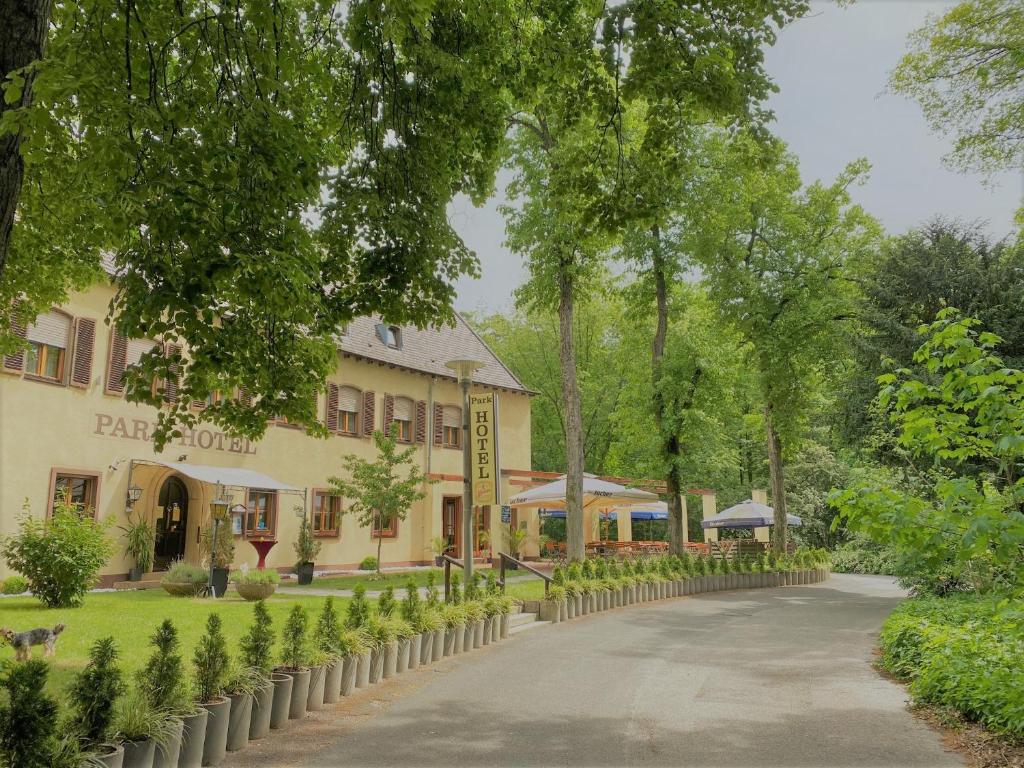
(777, 677)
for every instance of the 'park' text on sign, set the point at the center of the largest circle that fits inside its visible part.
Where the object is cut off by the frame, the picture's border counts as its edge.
(483, 445)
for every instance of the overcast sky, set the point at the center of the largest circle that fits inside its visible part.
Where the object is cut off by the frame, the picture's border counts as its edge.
(832, 68)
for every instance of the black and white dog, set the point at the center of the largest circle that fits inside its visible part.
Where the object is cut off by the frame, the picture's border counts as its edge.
(23, 641)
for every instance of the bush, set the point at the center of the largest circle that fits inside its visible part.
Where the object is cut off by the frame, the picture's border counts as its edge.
(253, 576)
(307, 546)
(211, 661)
(59, 557)
(94, 692)
(369, 563)
(861, 555)
(386, 602)
(328, 629)
(14, 585)
(259, 640)
(28, 722)
(181, 572)
(358, 610)
(162, 680)
(963, 652)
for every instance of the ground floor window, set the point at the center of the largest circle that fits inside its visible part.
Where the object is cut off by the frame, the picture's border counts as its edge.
(261, 513)
(80, 488)
(388, 531)
(326, 513)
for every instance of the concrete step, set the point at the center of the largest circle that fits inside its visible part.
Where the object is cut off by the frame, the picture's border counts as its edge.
(515, 629)
(518, 619)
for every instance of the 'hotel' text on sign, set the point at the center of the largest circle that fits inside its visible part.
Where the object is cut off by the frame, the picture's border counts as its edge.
(483, 444)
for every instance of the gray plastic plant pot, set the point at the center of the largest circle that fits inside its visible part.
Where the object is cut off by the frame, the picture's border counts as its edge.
(300, 694)
(332, 683)
(192, 740)
(317, 685)
(216, 745)
(240, 721)
(262, 706)
(166, 755)
(138, 754)
(282, 699)
(363, 669)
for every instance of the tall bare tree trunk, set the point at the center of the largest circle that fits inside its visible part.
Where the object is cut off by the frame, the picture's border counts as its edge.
(670, 440)
(23, 27)
(574, 534)
(778, 483)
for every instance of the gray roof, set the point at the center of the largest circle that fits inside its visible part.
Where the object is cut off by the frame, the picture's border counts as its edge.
(425, 350)
(428, 350)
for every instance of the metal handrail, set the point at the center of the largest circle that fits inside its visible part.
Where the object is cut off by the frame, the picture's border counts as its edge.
(501, 577)
(449, 561)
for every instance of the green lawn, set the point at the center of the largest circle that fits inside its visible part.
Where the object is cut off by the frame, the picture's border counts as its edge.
(372, 584)
(131, 618)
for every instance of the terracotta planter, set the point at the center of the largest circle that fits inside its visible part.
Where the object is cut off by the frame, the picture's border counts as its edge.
(166, 755)
(317, 686)
(376, 665)
(402, 663)
(349, 667)
(281, 702)
(253, 592)
(192, 740)
(437, 646)
(363, 669)
(216, 745)
(300, 693)
(415, 645)
(262, 707)
(138, 754)
(240, 721)
(111, 756)
(332, 683)
(390, 660)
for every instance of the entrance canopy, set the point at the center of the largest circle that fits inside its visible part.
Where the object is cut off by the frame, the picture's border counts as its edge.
(227, 476)
(747, 514)
(596, 492)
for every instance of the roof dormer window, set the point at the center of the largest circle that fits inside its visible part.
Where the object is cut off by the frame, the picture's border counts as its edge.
(390, 335)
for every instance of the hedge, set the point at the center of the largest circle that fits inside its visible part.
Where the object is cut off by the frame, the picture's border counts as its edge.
(964, 652)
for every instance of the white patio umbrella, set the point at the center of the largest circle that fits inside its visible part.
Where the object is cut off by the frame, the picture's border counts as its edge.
(747, 514)
(596, 492)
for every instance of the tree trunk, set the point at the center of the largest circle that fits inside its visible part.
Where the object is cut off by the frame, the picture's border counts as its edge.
(677, 534)
(574, 534)
(23, 27)
(778, 483)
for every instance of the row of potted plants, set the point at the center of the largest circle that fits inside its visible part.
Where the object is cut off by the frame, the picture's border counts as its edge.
(165, 720)
(600, 584)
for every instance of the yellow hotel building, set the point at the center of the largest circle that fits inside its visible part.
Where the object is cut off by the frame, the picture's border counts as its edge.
(64, 423)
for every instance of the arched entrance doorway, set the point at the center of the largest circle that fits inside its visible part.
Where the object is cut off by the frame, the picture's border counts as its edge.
(171, 520)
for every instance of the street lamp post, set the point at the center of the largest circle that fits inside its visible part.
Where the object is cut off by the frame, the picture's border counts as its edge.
(219, 507)
(464, 368)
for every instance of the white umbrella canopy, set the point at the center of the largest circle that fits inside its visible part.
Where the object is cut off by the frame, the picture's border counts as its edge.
(595, 491)
(747, 514)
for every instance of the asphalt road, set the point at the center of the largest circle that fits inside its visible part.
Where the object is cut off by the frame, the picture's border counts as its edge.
(760, 678)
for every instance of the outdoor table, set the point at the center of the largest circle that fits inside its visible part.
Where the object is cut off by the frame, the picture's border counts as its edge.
(262, 547)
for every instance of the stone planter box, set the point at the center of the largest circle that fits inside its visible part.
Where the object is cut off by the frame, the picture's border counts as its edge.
(254, 592)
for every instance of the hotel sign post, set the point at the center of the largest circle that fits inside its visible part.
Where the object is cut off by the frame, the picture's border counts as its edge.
(464, 372)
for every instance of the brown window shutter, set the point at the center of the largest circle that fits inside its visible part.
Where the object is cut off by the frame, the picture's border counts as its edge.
(118, 361)
(81, 363)
(420, 435)
(389, 412)
(438, 423)
(332, 407)
(369, 412)
(16, 362)
(173, 380)
(199, 405)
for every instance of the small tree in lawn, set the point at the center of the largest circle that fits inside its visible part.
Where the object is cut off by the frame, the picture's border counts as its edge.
(377, 493)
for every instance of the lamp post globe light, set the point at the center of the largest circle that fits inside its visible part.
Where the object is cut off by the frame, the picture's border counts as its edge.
(464, 368)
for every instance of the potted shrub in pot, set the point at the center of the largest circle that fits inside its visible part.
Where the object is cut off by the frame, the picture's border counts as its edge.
(453, 617)
(222, 558)
(356, 616)
(162, 683)
(92, 694)
(411, 609)
(307, 547)
(439, 546)
(351, 646)
(242, 682)
(328, 639)
(184, 580)
(514, 539)
(430, 624)
(551, 606)
(211, 662)
(257, 654)
(139, 540)
(28, 720)
(295, 660)
(252, 584)
(140, 728)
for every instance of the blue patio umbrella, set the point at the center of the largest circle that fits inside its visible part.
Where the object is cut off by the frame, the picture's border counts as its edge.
(747, 514)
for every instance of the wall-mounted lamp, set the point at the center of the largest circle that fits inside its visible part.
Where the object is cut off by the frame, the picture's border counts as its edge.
(133, 495)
